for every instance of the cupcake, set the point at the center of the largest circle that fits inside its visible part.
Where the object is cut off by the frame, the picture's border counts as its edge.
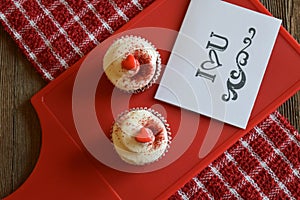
(132, 64)
(140, 136)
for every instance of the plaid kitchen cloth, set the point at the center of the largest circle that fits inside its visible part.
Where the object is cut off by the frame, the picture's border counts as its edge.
(54, 34)
(264, 164)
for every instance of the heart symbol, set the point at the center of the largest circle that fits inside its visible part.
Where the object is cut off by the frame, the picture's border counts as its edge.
(130, 62)
(144, 135)
(213, 61)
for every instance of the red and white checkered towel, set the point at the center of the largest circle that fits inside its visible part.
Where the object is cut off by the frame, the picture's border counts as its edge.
(264, 164)
(54, 34)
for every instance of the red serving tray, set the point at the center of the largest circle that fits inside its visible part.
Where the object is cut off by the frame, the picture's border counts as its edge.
(66, 169)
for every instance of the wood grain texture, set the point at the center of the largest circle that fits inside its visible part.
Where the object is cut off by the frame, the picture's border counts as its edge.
(20, 133)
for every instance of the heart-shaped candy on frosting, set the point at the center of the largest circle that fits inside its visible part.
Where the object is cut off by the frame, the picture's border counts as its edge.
(130, 62)
(145, 135)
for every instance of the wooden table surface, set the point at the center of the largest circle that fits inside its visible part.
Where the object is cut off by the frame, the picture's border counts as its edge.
(20, 133)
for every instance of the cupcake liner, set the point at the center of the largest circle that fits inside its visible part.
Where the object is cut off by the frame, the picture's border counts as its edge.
(158, 63)
(160, 117)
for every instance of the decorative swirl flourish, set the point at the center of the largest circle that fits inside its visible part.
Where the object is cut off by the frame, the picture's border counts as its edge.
(241, 61)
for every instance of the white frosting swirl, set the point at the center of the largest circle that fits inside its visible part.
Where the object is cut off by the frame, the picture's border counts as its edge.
(128, 80)
(127, 127)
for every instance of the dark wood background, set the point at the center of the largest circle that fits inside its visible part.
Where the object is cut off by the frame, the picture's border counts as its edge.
(20, 132)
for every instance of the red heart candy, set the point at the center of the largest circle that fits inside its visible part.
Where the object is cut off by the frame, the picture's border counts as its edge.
(145, 135)
(130, 62)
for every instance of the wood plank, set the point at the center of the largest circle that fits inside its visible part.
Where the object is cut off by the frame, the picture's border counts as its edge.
(20, 132)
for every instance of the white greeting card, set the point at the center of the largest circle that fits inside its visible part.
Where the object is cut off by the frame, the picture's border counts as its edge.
(219, 60)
